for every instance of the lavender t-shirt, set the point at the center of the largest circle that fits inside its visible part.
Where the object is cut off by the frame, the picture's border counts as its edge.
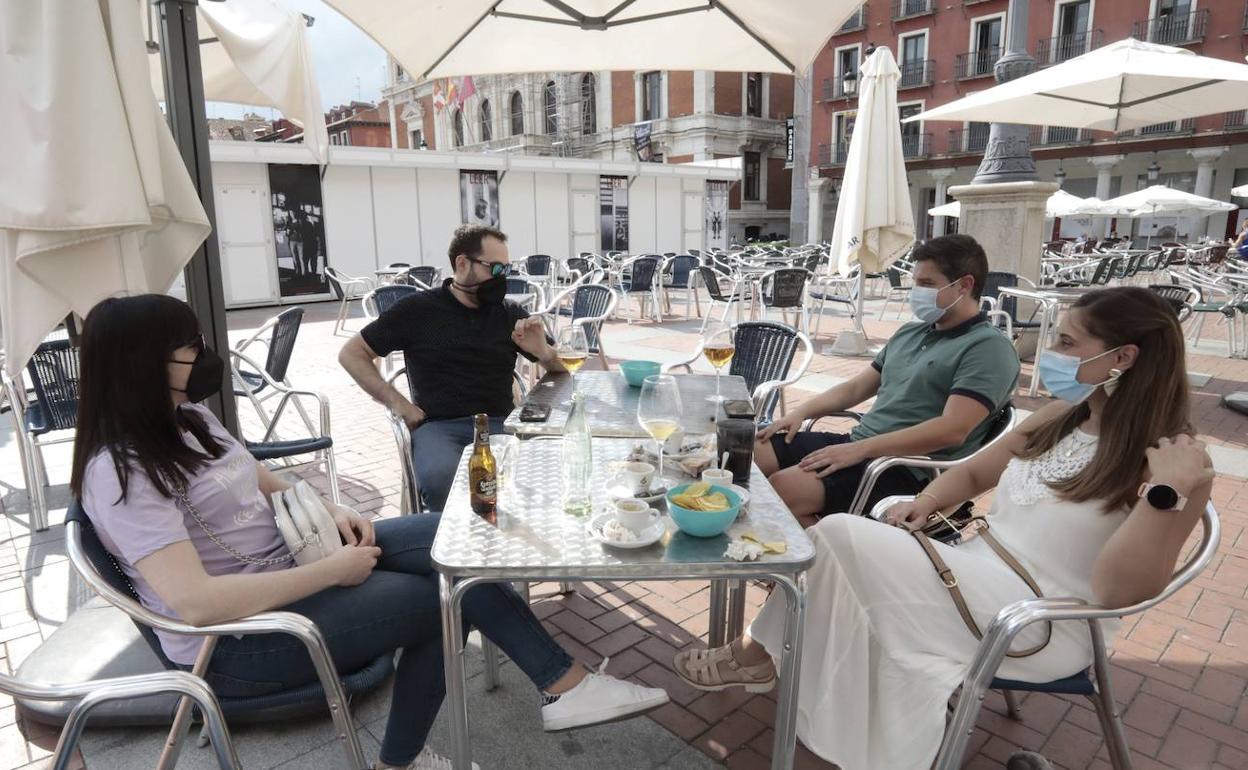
(225, 492)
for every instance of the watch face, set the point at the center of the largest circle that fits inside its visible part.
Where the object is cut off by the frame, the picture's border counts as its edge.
(1162, 497)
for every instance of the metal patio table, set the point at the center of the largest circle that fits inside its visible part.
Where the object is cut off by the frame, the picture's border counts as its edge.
(612, 403)
(1050, 300)
(536, 541)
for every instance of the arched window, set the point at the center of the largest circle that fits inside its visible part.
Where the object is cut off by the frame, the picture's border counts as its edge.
(549, 107)
(589, 105)
(487, 121)
(457, 128)
(517, 114)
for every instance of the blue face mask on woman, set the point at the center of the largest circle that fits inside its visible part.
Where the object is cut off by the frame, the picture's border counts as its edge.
(923, 303)
(1059, 373)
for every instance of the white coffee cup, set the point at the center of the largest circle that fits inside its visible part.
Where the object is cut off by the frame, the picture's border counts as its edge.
(717, 476)
(633, 513)
(638, 477)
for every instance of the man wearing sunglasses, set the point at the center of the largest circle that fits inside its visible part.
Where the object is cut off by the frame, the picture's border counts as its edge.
(459, 343)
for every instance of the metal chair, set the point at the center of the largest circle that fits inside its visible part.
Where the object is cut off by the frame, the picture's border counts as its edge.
(383, 298)
(785, 290)
(899, 284)
(538, 268)
(642, 281)
(522, 285)
(839, 290)
(591, 306)
(764, 357)
(100, 571)
(346, 288)
(681, 272)
(282, 330)
(425, 275)
(1092, 683)
(711, 279)
(993, 303)
(1181, 299)
(1218, 297)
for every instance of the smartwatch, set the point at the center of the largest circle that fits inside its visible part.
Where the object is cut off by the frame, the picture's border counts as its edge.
(1163, 497)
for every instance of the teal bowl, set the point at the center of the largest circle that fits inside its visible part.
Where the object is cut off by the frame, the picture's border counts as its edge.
(636, 372)
(703, 523)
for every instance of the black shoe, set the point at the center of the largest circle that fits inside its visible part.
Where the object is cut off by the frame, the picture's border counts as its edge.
(1027, 760)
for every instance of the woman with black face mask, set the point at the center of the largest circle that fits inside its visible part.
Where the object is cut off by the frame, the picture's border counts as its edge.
(156, 472)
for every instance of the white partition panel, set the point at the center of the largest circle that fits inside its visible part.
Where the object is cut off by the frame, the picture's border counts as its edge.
(438, 190)
(668, 215)
(349, 237)
(553, 223)
(694, 216)
(245, 236)
(642, 234)
(396, 215)
(517, 213)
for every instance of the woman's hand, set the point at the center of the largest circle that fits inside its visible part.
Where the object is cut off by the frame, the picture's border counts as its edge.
(910, 514)
(788, 424)
(1180, 462)
(354, 528)
(352, 565)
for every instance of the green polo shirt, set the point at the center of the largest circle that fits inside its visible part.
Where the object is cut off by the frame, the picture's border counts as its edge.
(921, 366)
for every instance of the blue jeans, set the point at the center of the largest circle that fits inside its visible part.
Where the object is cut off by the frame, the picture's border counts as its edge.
(436, 448)
(396, 608)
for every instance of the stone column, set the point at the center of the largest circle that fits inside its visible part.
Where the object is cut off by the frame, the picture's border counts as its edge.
(817, 188)
(1007, 218)
(1104, 177)
(941, 175)
(1205, 158)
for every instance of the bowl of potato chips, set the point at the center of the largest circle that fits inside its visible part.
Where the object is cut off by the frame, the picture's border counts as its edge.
(701, 509)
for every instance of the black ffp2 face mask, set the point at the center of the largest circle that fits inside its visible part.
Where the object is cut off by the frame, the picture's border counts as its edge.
(491, 291)
(207, 374)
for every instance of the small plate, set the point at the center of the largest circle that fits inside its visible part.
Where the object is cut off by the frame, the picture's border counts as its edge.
(618, 490)
(647, 537)
(744, 494)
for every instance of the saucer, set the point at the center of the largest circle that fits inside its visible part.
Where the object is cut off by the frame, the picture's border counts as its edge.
(647, 537)
(744, 494)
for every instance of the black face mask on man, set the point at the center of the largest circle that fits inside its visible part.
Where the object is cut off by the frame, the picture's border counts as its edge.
(207, 374)
(491, 291)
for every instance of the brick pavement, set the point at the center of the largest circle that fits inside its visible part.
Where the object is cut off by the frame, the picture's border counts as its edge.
(1180, 670)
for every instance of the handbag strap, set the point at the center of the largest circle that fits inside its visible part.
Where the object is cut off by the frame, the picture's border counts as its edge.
(180, 491)
(951, 582)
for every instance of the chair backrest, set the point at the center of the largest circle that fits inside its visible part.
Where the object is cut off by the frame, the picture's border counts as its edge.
(282, 343)
(106, 569)
(591, 301)
(426, 274)
(643, 271)
(385, 297)
(335, 281)
(765, 352)
(1002, 424)
(1104, 270)
(997, 280)
(683, 268)
(896, 277)
(579, 264)
(537, 264)
(53, 371)
(710, 279)
(519, 286)
(1179, 298)
(785, 287)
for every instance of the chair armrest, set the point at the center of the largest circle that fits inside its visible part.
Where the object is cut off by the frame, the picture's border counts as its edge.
(1009, 322)
(987, 304)
(876, 468)
(287, 394)
(847, 413)
(688, 365)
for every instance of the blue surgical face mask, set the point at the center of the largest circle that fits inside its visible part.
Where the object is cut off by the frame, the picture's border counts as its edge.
(923, 303)
(1059, 373)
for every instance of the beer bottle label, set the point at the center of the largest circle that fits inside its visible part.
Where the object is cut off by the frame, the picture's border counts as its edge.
(486, 486)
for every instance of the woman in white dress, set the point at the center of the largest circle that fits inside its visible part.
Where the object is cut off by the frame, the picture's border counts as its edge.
(884, 646)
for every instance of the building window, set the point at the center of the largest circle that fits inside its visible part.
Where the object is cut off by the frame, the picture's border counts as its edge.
(846, 69)
(333, 139)
(754, 94)
(417, 139)
(753, 176)
(987, 45)
(487, 121)
(550, 107)
(344, 138)
(911, 133)
(651, 96)
(457, 128)
(517, 114)
(589, 105)
(913, 60)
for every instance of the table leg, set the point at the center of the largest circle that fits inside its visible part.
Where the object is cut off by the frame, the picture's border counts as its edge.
(736, 609)
(451, 594)
(718, 612)
(490, 651)
(784, 746)
(1042, 337)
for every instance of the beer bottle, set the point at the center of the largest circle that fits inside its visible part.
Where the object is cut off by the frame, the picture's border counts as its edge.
(482, 471)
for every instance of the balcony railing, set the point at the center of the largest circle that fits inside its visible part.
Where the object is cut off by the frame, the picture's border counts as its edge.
(906, 9)
(834, 88)
(917, 73)
(916, 145)
(972, 140)
(975, 64)
(1171, 127)
(833, 154)
(1055, 50)
(1047, 136)
(856, 22)
(1236, 119)
(1174, 29)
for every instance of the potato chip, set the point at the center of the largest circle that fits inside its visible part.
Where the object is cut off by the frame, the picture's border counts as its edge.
(697, 489)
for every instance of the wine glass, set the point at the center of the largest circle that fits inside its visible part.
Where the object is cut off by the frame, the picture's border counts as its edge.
(659, 410)
(719, 346)
(573, 349)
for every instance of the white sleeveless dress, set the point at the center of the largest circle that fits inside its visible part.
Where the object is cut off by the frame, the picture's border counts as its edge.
(884, 646)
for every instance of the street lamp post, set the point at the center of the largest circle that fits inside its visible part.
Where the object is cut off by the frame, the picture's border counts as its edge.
(1007, 156)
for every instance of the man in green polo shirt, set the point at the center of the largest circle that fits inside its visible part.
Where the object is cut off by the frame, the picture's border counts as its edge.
(937, 384)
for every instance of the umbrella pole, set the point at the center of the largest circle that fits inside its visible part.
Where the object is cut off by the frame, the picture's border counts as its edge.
(188, 121)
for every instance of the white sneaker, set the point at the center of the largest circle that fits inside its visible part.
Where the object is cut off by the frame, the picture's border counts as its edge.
(600, 698)
(428, 760)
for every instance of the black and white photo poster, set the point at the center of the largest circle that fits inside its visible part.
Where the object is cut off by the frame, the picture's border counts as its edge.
(478, 197)
(716, 224)
(298, 229)
(613, 204)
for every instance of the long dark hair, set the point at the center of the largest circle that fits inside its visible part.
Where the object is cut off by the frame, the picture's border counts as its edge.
(1149, 402)
(124, 404)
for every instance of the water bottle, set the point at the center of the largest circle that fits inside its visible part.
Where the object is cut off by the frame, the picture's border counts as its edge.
(577, 460)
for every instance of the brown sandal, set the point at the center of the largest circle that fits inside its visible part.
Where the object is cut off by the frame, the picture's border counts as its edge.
(717, 669)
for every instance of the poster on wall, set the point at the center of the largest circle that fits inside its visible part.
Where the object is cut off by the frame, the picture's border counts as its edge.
(613, 205)
(298, 229)
(641, 142)
(716, 218)
(478, 197)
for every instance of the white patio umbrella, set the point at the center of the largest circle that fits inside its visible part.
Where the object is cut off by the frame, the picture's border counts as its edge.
(435, 38)
(950, 209)
(1160, 199)
(89, 208)
(1241, 191)
(1059, 204)
(874, 224)
(1127, 84)
(258, 55)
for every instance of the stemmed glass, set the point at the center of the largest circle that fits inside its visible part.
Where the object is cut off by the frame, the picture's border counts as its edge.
(573, 349)
(719, 346)
(659, 410)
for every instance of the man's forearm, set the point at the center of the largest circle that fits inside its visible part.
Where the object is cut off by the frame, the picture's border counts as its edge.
(361, 368)
(926, 437)
(836, 399)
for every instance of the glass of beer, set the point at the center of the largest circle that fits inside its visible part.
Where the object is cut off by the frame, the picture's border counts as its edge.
(659, 410)
(573, 349)
(719, 346)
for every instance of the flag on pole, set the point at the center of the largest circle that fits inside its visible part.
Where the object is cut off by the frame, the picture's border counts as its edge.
(439, 100)
(466, 89)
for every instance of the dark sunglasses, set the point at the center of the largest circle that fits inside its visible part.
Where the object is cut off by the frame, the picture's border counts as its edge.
(496, 268)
